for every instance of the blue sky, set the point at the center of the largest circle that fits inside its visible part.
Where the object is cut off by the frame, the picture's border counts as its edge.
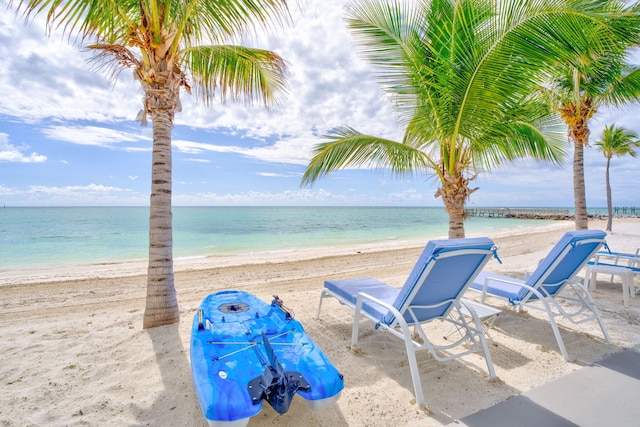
(68, 136)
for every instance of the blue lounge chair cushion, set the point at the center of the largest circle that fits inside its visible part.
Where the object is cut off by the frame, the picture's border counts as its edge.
(447, 278)
(624, 255)
(509, 291)
(550, 276)
(636, 270)
(348, 290)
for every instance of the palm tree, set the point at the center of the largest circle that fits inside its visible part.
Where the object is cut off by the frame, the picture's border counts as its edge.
(172, 45)
(615, 141)
(577, 91)
(461, 74)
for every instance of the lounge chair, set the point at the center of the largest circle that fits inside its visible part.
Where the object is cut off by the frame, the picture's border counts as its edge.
(624, 265)
(555, 275)
(433, 291)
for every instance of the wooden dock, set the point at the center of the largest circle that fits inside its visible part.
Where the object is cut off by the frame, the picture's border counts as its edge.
(524, 213)
(536, 213)
(626, 211)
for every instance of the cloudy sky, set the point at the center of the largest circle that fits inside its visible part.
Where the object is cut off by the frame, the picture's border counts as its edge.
(68, 135)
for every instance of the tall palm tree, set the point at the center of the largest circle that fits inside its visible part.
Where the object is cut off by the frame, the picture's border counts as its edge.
(461, 74)
(619, 142)
(578, 90)
(172, 45)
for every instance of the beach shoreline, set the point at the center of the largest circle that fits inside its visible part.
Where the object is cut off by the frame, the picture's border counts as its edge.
(138, 267)
(74, 351)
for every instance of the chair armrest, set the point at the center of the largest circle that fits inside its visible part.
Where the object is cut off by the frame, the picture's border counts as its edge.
(511, 282)
(363, 295)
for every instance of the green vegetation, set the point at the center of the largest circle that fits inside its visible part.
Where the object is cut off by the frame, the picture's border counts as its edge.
(163, 41)
(464, 77)
(615, 141)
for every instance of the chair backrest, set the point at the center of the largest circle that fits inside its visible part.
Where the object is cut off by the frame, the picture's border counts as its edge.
(565, 260)
(443, 272)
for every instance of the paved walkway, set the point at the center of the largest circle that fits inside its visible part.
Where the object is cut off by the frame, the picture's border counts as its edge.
(606, 393)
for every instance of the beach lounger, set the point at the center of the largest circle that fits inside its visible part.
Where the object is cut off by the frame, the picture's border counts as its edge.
(552, 283)
(624, 265)
(433, 291)
(632, 260)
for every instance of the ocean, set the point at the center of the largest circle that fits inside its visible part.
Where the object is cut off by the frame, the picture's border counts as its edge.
(39, 237)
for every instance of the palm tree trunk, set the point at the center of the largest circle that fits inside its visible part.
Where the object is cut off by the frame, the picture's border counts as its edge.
(456, 223)
(579, 196)
(609, 206)
(455, 191)
(161, 305)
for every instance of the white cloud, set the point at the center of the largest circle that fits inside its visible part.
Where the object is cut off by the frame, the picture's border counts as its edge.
(74, 189)
(192, 147)
(11, 153)
(72, 195)
(7, 191)
(306, 197)
(413, 196)
(36, 67)
(328, 86)
(96, 136)
(293, 151)
(45, 80)
(278, 175)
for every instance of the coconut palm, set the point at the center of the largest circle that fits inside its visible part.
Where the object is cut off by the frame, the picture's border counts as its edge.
(461, 74)
(619, 142)
(577, 91)
(172, 45)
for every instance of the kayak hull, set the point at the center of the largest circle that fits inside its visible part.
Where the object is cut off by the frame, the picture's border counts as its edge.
(240, 344)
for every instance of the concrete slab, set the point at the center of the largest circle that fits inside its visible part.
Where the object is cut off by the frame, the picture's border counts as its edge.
(606, 393)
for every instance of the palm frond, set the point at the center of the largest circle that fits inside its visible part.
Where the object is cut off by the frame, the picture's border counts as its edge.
(185, 23)
(622, 90)
(347, 147)
(235, 72)
(529, 129)
(113, 58)
(218, 22)
(383, 32)
(618, 141)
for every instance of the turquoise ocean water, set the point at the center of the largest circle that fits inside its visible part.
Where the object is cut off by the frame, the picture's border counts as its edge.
(49, 237)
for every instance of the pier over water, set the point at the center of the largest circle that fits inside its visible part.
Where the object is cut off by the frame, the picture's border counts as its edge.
(525, 213)
(540, 213)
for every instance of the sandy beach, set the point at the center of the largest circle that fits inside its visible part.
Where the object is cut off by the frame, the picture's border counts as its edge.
(74, 351)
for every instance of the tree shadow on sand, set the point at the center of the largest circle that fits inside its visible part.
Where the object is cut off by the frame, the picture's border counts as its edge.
(536, 329)
(175, 403)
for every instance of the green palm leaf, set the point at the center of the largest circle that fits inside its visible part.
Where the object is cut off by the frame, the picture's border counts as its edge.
(347, 147)
(235, 71)
(464, 77)
(166, 42)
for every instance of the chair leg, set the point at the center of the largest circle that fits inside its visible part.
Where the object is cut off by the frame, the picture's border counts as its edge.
(590, 279)
(627, 287)
(604, 330)
(487, 356)
(592, 306)
(480, 331)
(415, 373)
(356, 323)
(323, 294)
(556, 332)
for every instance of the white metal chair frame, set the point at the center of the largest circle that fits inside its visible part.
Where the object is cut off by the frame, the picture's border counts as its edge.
(613, 267)
(401, 328)
(549, 303)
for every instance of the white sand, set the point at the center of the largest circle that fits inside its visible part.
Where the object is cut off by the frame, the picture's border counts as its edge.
(74, 353)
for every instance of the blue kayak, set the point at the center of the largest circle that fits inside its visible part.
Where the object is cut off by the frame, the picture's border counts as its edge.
(245, 351)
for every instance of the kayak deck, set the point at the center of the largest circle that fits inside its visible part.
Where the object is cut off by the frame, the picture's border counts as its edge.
(245, 351)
